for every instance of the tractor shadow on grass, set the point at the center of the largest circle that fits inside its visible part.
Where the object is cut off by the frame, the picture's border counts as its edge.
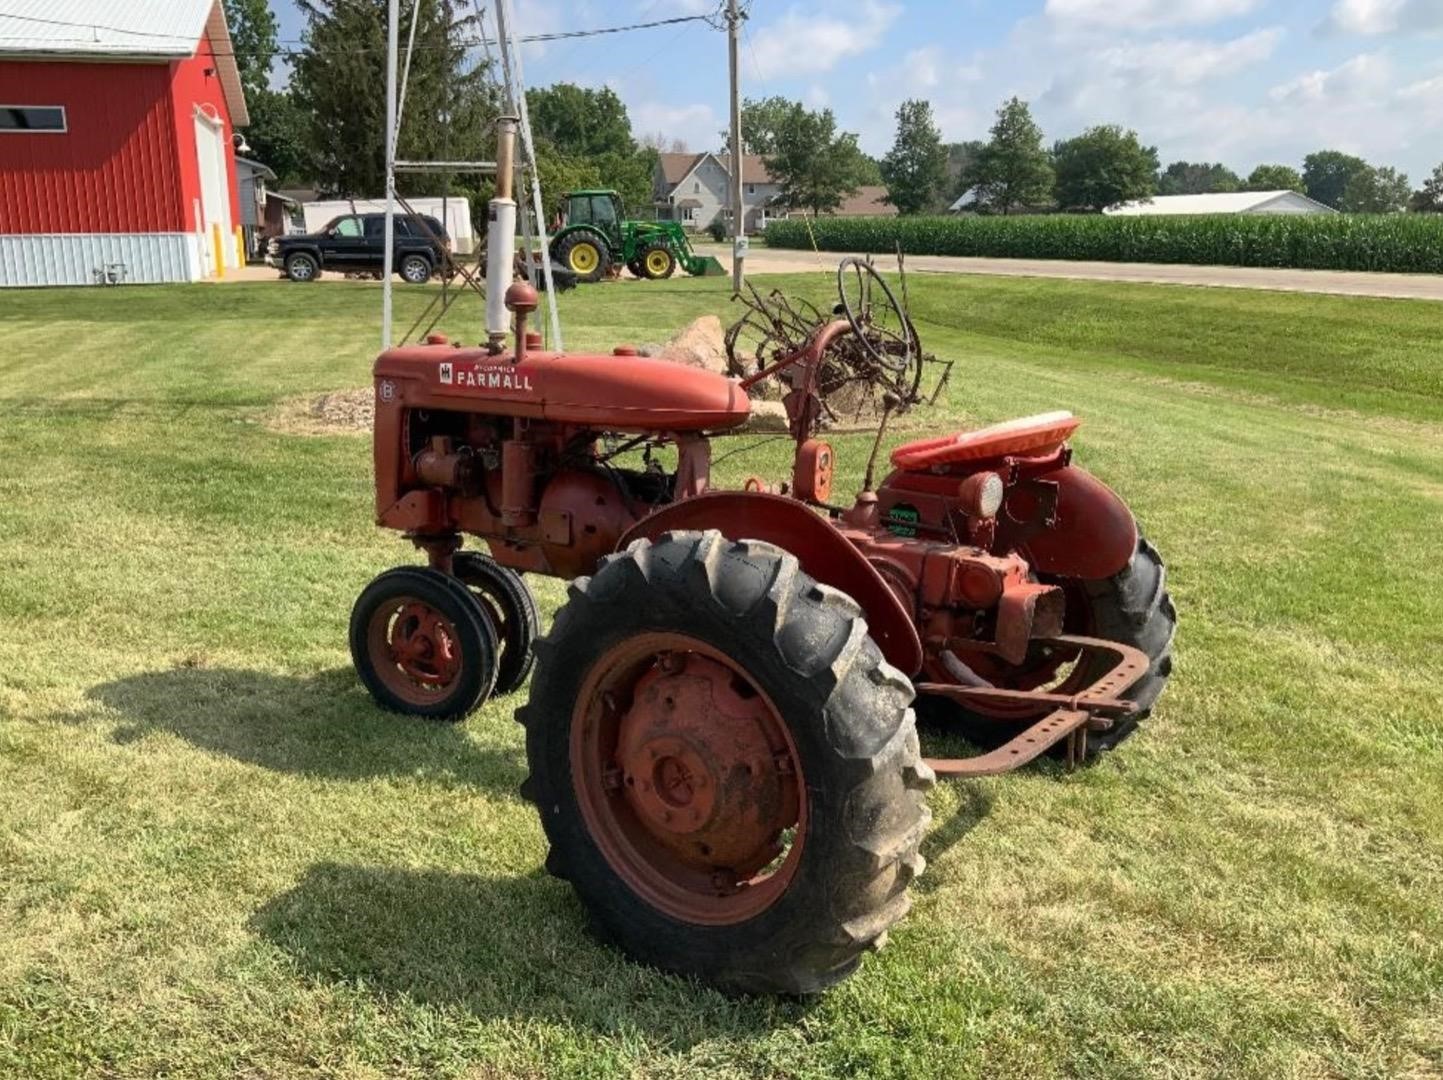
(497, 947)
(320, 725)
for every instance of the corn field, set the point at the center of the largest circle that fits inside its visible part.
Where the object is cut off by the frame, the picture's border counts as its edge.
(1399, 243)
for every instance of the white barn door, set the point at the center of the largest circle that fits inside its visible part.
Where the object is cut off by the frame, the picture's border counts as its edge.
(214, 198)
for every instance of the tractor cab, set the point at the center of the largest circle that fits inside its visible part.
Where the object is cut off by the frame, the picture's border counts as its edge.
(599, 209)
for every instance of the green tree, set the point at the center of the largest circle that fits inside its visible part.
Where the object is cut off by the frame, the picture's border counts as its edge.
(1275, 178)
(760, 120)
(1381, 190)
(277, 134)
(1200, 178)
(580, 121)
(253, 37)
(1012, 170)
(450, 108)
(961, 164)
(815, 165)
(1429, 198)
(916, 166)
(1326, 175)
(1102, 167)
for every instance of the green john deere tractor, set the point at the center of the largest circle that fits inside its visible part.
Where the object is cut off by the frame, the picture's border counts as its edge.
(594, 236)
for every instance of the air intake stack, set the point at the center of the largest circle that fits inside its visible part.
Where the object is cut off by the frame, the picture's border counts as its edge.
(501, 236)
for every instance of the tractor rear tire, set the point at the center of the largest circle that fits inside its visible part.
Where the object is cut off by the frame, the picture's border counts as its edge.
(1132, 608)
(657, 262)
(589, 266)
(422, 644)
(846, 771)
(511, 610)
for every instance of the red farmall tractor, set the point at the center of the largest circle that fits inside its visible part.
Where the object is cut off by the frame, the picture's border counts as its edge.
(719, 731)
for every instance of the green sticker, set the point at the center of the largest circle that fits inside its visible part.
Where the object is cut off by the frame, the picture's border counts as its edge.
(900, 514)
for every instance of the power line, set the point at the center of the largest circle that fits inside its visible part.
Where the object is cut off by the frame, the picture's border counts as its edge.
(560, 35)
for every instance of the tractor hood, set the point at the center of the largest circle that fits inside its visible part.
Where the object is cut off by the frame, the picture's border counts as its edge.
(614, 393)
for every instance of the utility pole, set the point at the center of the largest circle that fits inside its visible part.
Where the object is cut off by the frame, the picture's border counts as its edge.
(739, 228)
(393, 34)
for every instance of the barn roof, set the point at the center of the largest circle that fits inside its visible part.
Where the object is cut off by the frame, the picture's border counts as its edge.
(1229, 202)
(124, 29)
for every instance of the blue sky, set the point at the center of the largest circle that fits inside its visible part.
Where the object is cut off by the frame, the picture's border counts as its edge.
(1238, 81)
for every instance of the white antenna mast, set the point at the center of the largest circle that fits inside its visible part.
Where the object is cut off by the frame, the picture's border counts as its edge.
(395, 105)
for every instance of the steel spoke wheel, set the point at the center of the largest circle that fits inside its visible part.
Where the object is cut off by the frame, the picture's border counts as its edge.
(422, 645)
(726, 768)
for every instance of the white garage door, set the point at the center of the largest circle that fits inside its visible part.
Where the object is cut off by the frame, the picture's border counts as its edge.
(214, 199)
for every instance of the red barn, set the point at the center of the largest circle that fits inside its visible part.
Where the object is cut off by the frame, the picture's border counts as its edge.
(116, 154)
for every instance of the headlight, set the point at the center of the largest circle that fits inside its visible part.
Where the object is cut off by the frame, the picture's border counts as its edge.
(981, 495)
(273, 246)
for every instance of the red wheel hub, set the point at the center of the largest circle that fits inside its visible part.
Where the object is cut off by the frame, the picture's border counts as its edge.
(688, 779)
(414, 649)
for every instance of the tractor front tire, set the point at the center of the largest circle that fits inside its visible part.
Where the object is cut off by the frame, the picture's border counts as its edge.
(585, 255)
(657, 262)
(725, 767)
(509, 606)
(422, 644)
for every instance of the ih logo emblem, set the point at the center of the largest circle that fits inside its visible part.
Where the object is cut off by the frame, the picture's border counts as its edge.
(446, 374)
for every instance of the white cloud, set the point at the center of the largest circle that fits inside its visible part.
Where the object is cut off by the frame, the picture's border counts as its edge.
(809, 42)
(1186, 62)
(1146, 14)
(1361, 77)
(1385, 16)
(1428, 90)
(697, 125)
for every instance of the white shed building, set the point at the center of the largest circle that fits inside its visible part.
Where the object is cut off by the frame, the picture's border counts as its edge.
(1228, 202)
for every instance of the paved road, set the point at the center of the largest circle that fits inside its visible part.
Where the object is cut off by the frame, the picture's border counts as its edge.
(762, 260)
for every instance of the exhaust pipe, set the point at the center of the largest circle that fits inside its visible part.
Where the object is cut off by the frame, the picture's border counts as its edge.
(501, 236)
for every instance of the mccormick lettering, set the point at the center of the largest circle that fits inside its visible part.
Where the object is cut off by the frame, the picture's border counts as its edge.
(484, 377)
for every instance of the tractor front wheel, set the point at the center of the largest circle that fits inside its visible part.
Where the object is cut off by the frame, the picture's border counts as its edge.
(726, 768)
(422, 644)
(658, 262)
(583, 254)
(511, 610)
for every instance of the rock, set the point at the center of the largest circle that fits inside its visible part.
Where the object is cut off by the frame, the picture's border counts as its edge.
(651, 348)
(767, 416)
(702, 344)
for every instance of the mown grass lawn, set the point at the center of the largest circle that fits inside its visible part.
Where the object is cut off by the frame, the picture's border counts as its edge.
(218, 859)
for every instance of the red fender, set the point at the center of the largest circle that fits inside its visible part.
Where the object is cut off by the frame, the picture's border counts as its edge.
(821, 550)
(1095, 535)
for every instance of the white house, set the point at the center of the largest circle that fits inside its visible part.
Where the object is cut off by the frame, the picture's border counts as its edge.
(1229, 202)
(693, 189)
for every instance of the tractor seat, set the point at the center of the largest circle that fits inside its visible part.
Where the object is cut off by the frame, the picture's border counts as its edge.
(1029, 436)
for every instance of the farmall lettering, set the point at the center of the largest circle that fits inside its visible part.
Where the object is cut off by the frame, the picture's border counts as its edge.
(484, 377)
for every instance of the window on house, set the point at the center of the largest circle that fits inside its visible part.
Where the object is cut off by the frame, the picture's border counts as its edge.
(751, 189)
(688, 214)
(696, 187)
(27, 118)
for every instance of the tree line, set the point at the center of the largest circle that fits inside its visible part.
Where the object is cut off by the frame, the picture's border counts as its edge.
(1014, 171)
(325, 129)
